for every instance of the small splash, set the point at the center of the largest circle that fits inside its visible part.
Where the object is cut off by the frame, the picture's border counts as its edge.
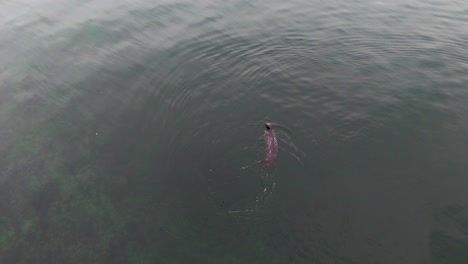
(240, 211)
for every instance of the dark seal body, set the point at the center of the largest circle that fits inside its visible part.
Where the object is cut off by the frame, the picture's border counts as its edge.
(271, 145)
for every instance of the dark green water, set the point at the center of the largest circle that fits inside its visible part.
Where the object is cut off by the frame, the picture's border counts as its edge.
(129, 130)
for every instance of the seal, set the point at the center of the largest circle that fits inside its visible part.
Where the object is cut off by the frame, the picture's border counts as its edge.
(271, 146)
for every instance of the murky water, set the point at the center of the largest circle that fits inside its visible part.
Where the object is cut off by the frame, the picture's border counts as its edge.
(129, 131)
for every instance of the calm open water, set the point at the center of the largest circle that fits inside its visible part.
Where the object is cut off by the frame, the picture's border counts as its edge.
(129, 130)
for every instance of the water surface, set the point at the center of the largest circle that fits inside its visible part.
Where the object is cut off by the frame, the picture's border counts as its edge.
(129, 130)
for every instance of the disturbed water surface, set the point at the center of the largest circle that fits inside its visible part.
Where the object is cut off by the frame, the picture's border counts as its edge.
(129, 131)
